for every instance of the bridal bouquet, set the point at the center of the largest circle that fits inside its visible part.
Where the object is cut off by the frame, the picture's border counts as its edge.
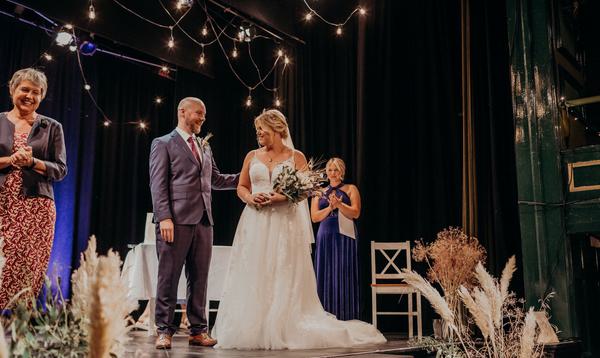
(298, 185)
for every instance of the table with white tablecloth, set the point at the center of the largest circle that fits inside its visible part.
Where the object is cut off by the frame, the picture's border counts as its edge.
(141, 271)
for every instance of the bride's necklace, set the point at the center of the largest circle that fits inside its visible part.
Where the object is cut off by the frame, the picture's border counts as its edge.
(270, 160)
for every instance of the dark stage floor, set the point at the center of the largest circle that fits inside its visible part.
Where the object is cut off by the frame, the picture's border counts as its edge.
(142, 346)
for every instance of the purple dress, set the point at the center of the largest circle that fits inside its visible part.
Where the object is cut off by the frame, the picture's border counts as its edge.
(336, 264)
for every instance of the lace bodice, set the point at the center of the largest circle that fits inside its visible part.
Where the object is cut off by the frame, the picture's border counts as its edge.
(260, 177)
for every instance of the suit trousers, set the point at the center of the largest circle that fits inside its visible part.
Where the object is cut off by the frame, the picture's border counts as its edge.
(192, 245)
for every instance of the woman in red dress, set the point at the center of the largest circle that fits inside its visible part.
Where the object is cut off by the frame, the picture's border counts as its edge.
(32, 157)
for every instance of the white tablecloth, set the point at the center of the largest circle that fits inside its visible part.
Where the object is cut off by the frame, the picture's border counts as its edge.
(141, 270)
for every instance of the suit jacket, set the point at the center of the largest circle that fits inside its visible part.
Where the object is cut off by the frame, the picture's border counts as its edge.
(180, 186)
(48, 144)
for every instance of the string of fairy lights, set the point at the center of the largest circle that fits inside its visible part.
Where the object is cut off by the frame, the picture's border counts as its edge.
(215, 29)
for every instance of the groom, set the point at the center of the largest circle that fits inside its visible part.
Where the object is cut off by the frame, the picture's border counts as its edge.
(182, 174)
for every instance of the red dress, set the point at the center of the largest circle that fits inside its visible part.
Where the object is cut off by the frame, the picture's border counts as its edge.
(27, 226)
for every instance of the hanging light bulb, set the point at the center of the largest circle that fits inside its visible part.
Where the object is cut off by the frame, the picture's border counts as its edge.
(234, 53)
(249, 101)
(171, 42)
(308, 16)
(142, 125)
(106, 123)
(204, 30)
(279, 53)
(338, 31)
(47, 56)
(277, 102)
(92, 12)
(87, 87)
(158, 100)
(362, 11)
(286, 60)
(202, 60)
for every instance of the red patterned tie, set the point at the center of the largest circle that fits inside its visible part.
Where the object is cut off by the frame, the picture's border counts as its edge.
(193, 147)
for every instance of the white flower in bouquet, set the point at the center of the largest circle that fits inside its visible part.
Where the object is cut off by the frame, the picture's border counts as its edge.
(297, 185)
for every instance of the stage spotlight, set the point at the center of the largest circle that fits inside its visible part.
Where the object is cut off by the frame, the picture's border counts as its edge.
(87, 48)
(63, 38)
(164, 72)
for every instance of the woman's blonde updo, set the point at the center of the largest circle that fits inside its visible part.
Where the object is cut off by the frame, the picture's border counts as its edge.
(275, 120)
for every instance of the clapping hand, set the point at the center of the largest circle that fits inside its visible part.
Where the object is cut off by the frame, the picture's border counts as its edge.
(22, 158)
(334, 201)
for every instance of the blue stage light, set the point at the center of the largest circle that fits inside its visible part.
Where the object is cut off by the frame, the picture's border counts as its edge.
(87, 48)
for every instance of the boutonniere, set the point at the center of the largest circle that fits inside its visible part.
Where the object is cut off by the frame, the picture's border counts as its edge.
(204, 142)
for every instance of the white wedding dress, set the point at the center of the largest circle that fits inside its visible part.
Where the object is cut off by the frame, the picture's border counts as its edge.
(270, 296)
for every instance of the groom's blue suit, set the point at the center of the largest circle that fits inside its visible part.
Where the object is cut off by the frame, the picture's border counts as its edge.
(181, 191)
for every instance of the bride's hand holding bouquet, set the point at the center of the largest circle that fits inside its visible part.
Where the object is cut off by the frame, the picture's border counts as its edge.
(296, 185)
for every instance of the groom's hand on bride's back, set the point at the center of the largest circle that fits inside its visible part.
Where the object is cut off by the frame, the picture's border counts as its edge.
(166, 230)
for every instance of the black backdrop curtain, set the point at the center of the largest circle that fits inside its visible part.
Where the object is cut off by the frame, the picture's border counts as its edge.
(408, 129)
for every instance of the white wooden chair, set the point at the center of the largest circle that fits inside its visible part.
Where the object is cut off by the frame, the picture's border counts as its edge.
(394, 286)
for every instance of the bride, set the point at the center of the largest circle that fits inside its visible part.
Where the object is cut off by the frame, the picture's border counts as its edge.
(270, 296)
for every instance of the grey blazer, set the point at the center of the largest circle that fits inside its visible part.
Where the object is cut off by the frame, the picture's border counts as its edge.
(48, 144)
(180, 186)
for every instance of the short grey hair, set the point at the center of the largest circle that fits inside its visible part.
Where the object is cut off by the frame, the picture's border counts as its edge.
(32, 75)
(185, 101)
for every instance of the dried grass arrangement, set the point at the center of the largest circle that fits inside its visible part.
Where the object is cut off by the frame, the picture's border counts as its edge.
(451, 260)
(95, 322)
(508, 330)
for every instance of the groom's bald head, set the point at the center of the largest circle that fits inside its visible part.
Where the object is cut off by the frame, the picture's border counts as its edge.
(188, 100)
(191, 114)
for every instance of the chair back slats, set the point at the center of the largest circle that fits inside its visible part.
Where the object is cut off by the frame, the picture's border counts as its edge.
(391, 269)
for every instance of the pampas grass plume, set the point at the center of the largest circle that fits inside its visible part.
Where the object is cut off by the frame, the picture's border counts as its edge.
(437, 301)
(528, 335)
(507, 273)
(108, 321)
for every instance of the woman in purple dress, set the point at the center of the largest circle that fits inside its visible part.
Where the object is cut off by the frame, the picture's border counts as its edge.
(336, 260)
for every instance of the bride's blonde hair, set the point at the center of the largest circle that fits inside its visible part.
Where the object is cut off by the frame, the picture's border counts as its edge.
(275, 120)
